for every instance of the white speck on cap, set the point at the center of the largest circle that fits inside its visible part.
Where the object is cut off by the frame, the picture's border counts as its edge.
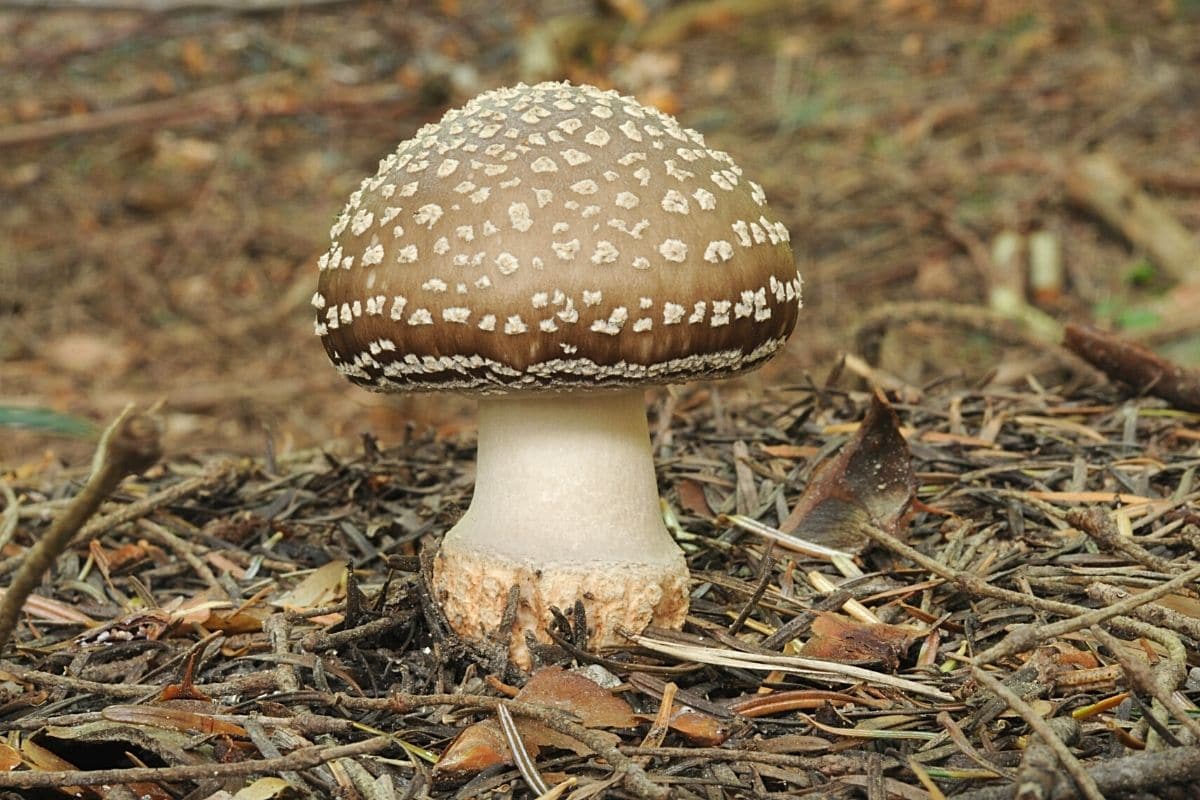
(554, 173)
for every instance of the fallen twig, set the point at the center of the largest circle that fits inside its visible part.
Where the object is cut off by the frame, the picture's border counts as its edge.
(129, 445)
(1139, 773)
(1132, 364)
(1022, 328)
(1083, 781)
(1097, 182)
(252, 683)
(1027, 636)
(1039, 771)
(1151, 613)
(635, 778)
(1098, 524)
(255, 96)
(1142, 678)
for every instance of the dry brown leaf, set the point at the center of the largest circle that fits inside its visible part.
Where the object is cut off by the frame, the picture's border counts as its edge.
(595, 706)
(478, 747)
(263, 789)
(321, 587)
(482, 745)
(870, 480)
(249, 620)
(191, 611)
(840, 639)
(53, 611)
(10, 759)
(700, 728)
(691, 497)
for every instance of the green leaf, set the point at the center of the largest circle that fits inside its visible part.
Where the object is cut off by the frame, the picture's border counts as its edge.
(1138, 318)
(1141, 273)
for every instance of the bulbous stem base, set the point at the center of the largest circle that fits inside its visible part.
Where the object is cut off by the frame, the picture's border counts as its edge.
(565, 508)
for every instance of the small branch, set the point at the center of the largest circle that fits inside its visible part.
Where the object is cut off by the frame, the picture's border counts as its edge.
(252, 683)
(1039, 773)
(1142, 369)
(129, 445)
(1131, 776)
(255, 96)
(830, 765)
(1083, 781)
(1142, 678)
(1026, 636)
(1098, 183)
(1151, 613)
(184, 550)
(1169, 672)
(971, 584)
(320, 641)
(1026, 326)
(1098, 524)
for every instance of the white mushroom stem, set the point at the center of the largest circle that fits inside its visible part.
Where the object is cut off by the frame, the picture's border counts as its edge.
(566, 478)
(565, 507)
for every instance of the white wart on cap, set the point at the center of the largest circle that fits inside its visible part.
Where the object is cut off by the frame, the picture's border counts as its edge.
(554, 236)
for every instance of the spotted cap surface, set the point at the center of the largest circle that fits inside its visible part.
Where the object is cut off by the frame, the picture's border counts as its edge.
(549, 237)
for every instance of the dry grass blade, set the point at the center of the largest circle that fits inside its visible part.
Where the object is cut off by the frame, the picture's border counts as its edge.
(960, 740)
(871, 733)
(520, 754)
(793, 543)
(559, 790)
(808, 667)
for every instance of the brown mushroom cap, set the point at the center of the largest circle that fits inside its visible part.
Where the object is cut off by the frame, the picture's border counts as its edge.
(550, 237)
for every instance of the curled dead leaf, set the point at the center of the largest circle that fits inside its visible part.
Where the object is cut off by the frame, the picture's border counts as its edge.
(700, 728)
(870, 480)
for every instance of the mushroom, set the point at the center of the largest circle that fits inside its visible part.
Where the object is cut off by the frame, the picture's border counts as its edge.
(554, 249)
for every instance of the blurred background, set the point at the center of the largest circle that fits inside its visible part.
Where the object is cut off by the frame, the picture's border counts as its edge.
(169, 170)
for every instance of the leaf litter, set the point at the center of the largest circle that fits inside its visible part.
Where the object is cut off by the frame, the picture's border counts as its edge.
(1024, 512)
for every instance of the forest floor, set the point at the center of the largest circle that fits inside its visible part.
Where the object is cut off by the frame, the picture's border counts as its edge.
(961, 179)
(167, 179)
